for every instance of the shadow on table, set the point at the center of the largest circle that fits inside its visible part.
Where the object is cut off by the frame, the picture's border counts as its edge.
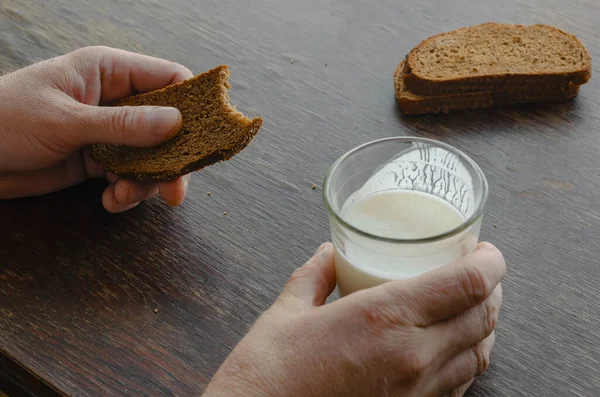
(522, 119)
(126, 289)
(70, 251)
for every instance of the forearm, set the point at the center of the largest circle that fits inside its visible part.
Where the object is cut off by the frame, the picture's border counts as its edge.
(5, 101)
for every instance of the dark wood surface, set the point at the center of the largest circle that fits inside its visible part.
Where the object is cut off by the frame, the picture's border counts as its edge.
(78, 287)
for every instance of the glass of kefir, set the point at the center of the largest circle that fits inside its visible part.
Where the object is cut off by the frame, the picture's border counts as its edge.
(400, 207)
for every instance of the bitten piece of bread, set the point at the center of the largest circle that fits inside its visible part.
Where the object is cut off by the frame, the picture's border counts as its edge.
(212, 131)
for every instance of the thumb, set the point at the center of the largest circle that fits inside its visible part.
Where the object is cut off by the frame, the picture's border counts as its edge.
(310, 285)
(141, 126)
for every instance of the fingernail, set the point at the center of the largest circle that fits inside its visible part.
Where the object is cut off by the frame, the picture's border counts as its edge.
(321, 248)
(164, 120)
(186, 182)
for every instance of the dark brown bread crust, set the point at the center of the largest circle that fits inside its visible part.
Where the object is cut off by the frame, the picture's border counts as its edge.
(413, 104)
(421, 85)
(212, 131)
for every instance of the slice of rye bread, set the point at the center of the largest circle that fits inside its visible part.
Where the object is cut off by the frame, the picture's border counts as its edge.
(412, 104)
(212, 131)
(493, 56)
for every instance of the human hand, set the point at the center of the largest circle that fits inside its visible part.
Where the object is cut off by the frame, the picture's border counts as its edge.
(49, 114)
(423, 337)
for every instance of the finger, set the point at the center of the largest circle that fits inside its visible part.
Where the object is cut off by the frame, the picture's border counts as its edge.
(451, 289)
(468, 328)
(311, 284)
(173, 192)
(93, 169)
(460, 391)
(465, 366)
(111, 178)
(110, 202)
(140, 126)
(123, 73)
(130, 192)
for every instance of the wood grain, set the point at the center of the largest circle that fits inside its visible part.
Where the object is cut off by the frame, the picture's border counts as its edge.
(78, 287)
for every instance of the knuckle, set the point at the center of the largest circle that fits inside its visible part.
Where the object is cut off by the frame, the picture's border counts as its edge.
(122, 121)
(88, 52)
(381, 314)
(481, 358)
(414, 365)
(407, 305)
(474, 284)
(102, 48)
(82, 52)
(299, 274)
(489, 317)
(96, 49)
(460, 392)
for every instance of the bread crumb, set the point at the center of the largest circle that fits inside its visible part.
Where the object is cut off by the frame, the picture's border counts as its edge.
(155, 310)
(313, 187)
(208, 194)
(292, 61)
(225, 213)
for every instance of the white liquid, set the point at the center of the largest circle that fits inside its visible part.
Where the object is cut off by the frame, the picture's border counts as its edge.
(399, 214)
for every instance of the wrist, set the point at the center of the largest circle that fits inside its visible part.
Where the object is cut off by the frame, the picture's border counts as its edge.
(249, 371)
(236, 379)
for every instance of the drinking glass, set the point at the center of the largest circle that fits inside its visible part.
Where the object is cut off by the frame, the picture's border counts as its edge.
(365, 259)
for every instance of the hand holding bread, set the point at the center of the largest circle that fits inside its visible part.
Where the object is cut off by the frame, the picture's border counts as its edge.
(50, 113)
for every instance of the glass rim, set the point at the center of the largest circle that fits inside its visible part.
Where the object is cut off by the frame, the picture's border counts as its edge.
(463, 226)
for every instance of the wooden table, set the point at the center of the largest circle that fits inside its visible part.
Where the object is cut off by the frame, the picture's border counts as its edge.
(79, 287)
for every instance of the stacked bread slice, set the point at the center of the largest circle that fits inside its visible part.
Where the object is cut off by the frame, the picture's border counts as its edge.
(491, 64)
